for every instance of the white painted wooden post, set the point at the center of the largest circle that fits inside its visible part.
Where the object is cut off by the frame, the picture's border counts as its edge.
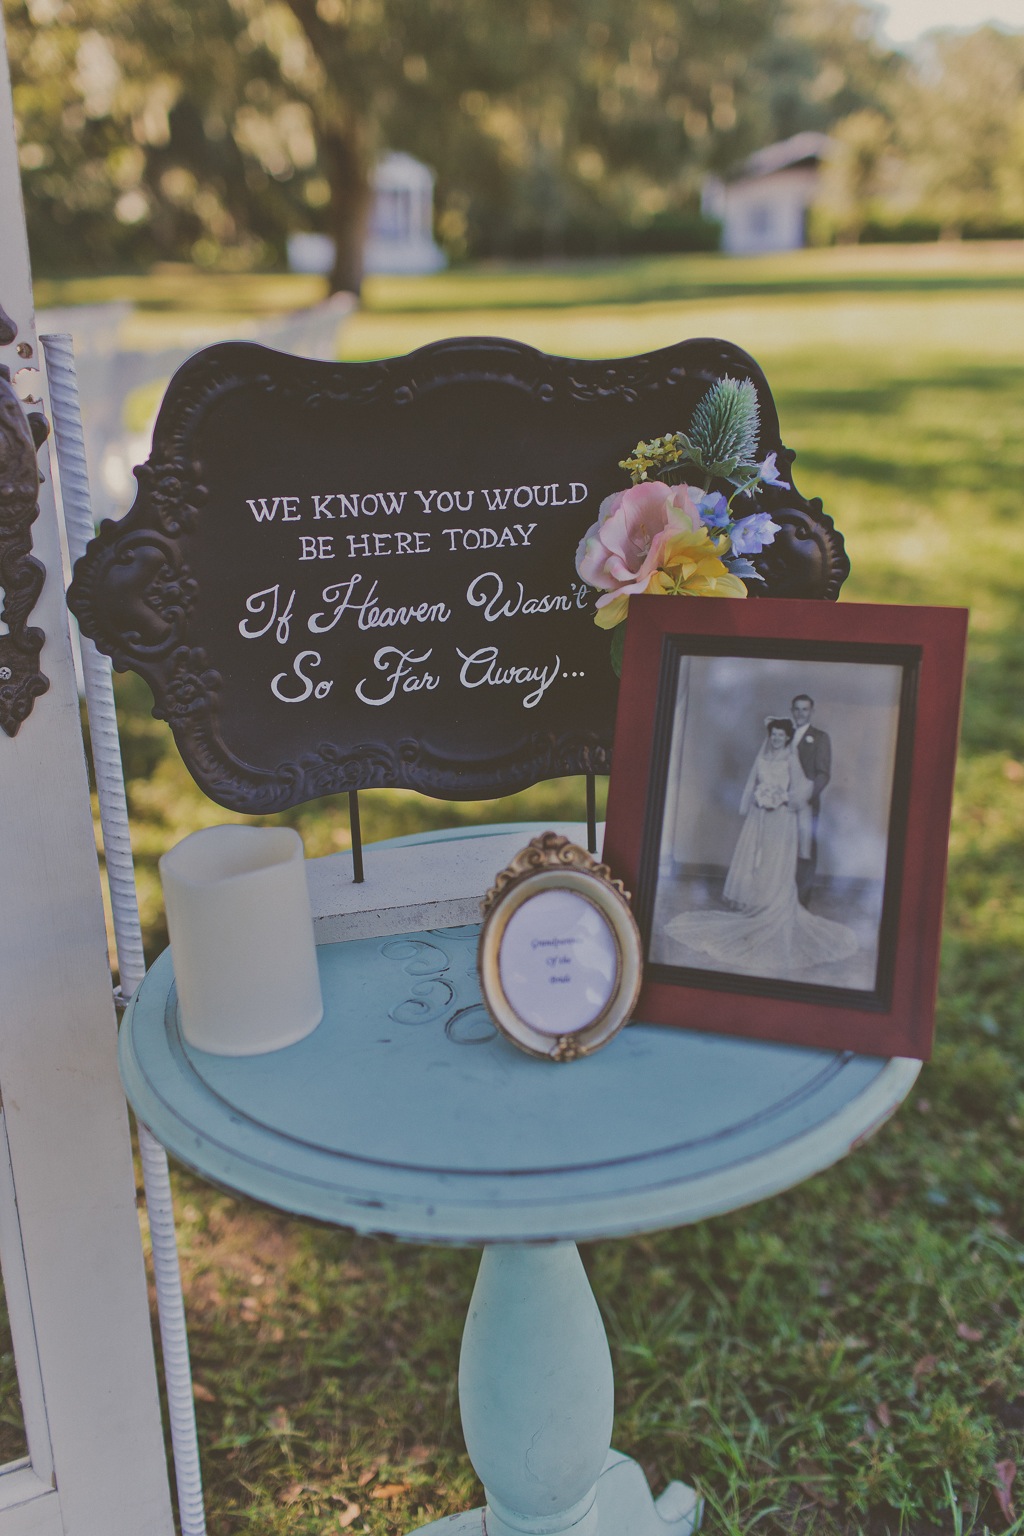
(78, 1300)
(124, 907)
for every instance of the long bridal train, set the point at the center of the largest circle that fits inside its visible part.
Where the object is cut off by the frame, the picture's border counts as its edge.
(778, 940)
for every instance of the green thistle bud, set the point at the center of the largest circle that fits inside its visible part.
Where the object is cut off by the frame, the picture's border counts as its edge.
(725, 423)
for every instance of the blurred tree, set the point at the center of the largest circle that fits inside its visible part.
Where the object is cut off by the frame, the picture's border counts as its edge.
(863, 169)
(605, 120)
(542, 118)
(824, 62)
(213, 128)
(217, 125)
(825, 68)
(962, 131)
(940, 150)
(152, 131)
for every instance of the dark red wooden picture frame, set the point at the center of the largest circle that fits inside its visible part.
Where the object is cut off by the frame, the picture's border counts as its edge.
(895, 1017)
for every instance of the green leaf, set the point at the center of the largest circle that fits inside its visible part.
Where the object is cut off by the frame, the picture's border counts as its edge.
(617, 647)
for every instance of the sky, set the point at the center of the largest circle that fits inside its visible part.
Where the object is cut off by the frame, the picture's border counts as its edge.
(905, 20)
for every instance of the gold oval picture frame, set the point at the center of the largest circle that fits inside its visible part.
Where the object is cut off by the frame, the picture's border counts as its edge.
(560, 954)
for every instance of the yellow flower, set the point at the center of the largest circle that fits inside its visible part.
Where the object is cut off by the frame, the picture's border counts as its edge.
(613, 612)
(689, 565)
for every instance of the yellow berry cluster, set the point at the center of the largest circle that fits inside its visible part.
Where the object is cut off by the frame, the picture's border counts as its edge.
(656, 454)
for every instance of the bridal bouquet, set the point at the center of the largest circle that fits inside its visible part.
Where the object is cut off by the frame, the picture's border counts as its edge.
(770, 797)
(675, 534)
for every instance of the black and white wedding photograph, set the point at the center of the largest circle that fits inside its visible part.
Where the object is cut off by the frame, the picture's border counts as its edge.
(775, 820)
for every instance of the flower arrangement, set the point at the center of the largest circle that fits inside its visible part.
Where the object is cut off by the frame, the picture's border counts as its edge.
(770, 797)
(683, 538)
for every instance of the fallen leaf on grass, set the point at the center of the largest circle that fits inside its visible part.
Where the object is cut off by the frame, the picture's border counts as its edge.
(279, 1421)
(924, 1367)
(971, 1335)
(203, 1394)
(348, 1516)
(368, 1474)
(419, 1453)
(1006, 1471)
(389, 1490)
(883, 1415)
(294, 1493)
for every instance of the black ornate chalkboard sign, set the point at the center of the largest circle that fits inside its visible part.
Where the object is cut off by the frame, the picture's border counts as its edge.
(345, 575)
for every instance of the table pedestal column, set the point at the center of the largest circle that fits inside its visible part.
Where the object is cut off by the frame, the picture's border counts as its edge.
(536, 1394)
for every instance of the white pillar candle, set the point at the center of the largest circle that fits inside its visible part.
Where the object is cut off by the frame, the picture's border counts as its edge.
(241, 932)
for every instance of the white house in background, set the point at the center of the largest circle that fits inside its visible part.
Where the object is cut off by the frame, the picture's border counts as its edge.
(401, 233)
(763, 205)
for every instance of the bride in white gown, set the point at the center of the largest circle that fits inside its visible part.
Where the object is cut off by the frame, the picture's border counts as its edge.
(767, 931)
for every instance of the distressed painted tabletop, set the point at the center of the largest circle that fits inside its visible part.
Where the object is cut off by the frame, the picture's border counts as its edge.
(406, 1113)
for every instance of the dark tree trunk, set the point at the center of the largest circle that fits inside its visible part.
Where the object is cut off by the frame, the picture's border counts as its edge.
(351, 198)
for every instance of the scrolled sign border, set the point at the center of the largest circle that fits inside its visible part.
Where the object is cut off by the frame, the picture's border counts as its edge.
(133, 590)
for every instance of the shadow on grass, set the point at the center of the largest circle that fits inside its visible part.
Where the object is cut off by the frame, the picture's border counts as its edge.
(922, 432)
(881, 396)
(628, 287)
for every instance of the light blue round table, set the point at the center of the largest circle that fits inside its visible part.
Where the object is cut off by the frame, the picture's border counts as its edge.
(406, 1113)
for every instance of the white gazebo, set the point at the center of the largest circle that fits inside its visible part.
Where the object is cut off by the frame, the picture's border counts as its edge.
(401, 232)
(764, 204)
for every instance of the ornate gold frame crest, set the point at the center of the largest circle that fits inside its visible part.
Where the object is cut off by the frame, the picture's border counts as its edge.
(552, 863)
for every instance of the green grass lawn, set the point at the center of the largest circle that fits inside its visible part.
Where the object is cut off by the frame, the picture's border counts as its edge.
(849, 1356)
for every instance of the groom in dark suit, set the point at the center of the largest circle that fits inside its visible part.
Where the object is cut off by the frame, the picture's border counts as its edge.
(814, 750)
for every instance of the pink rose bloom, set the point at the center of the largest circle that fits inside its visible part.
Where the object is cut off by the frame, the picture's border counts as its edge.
(623, 549)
